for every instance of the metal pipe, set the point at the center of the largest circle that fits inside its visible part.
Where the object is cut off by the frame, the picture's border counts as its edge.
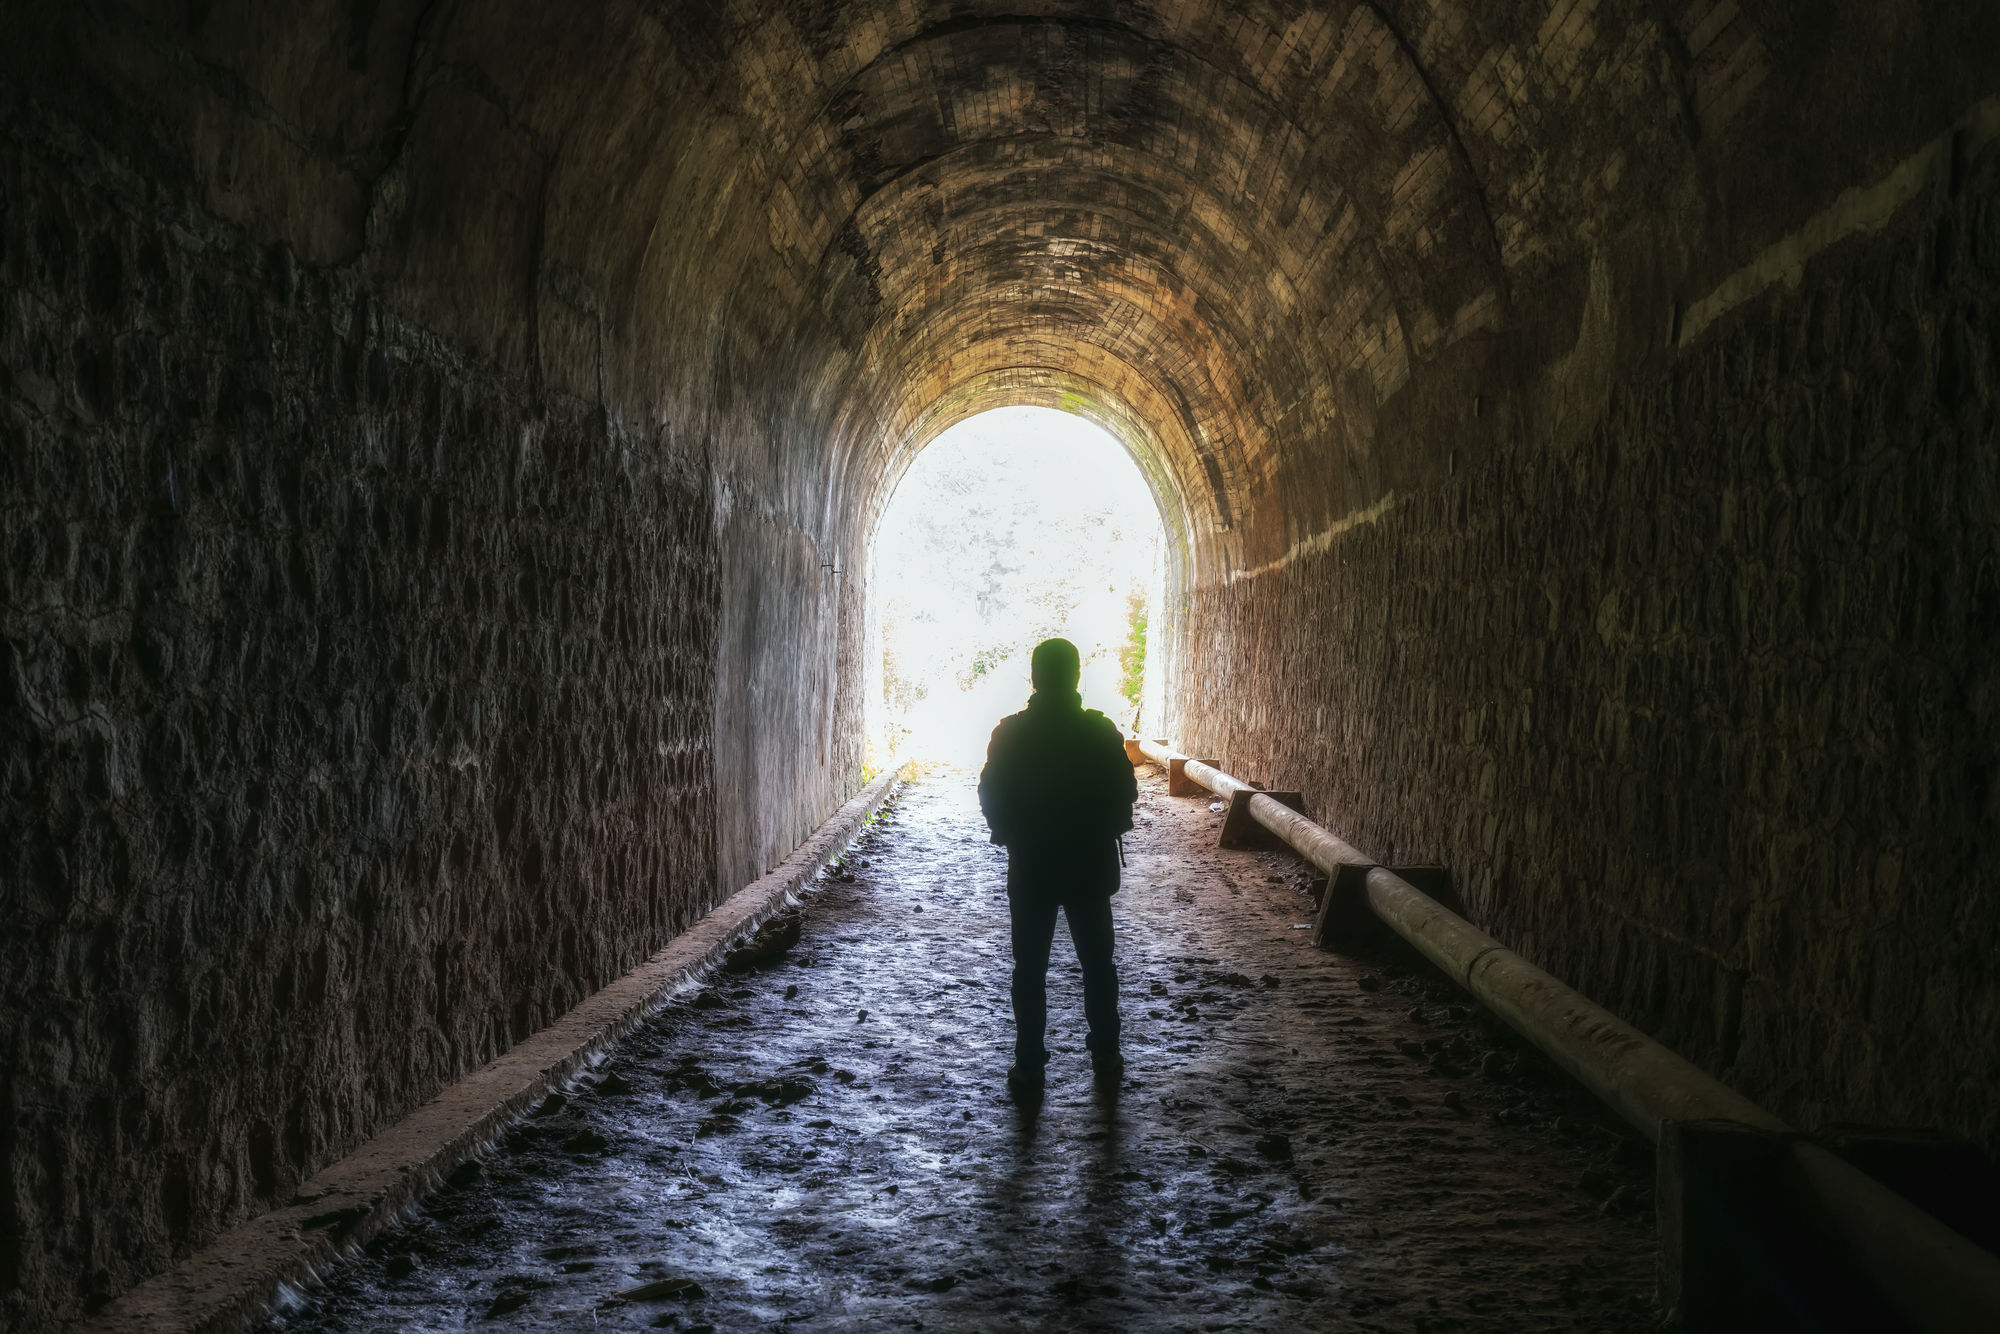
(1212, 778)
(1317, 846)
(1642, 1080)
(1942, 1282)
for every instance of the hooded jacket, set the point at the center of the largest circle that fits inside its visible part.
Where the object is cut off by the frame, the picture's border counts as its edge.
(1057, 791)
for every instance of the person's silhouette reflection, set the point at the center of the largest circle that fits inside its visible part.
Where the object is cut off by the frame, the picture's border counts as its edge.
(1057, 792)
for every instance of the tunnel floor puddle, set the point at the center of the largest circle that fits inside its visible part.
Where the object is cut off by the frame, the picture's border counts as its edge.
(1303, 1141)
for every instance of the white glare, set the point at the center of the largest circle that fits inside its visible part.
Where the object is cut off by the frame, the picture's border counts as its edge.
(1013, 526)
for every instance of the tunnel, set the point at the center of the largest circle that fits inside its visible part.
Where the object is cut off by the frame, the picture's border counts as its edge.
(442, 443)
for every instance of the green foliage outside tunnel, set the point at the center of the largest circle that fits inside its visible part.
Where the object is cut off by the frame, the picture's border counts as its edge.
(1132, 656)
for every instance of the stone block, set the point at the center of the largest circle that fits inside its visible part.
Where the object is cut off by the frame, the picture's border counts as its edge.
(1345, 922)
(1743, 1245)
(1241, 830)
(1180, 785)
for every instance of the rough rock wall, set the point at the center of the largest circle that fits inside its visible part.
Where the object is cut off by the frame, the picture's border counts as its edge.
(356, 713)
(1703, 713)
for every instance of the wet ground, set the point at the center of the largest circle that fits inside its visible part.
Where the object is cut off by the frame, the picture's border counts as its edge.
(1303, 1141)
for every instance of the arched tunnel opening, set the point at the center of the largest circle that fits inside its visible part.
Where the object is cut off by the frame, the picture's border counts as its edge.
(1012, 527)
(430, 432)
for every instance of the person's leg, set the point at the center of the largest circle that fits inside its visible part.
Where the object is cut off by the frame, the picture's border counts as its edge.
(1090, 930)
(1033, 920)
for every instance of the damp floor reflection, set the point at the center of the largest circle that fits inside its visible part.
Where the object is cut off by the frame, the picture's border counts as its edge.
(1303, 1141)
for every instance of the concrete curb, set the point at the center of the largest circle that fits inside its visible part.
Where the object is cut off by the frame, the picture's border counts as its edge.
(236, 1280)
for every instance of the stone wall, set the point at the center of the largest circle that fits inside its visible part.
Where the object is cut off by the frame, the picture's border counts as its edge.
(1701, 710)
(356, 716)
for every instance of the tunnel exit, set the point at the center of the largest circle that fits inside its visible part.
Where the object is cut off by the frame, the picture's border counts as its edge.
(1013, 526)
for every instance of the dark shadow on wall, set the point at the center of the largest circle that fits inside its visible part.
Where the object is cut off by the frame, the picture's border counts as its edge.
(355, 719)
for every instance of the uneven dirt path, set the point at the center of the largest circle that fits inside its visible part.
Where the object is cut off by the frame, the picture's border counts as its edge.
(828, 1144)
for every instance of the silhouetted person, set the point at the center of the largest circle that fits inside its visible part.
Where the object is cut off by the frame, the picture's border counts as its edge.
(1057, 792)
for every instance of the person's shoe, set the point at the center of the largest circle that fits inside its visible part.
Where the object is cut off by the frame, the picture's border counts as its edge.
(1027, 1078)
(1107, 1070)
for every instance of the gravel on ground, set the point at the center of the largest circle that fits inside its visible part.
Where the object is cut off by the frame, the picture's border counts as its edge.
(825, 1142)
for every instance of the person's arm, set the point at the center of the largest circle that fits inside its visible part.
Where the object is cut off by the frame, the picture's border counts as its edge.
(1129, 780)
(994, 787)
(1120, 780)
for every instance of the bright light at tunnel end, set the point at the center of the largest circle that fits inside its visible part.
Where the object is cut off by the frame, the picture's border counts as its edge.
(1013, 526)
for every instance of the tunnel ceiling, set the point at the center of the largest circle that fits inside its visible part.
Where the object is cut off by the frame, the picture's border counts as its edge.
(1261, 241)
(1218, 229)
